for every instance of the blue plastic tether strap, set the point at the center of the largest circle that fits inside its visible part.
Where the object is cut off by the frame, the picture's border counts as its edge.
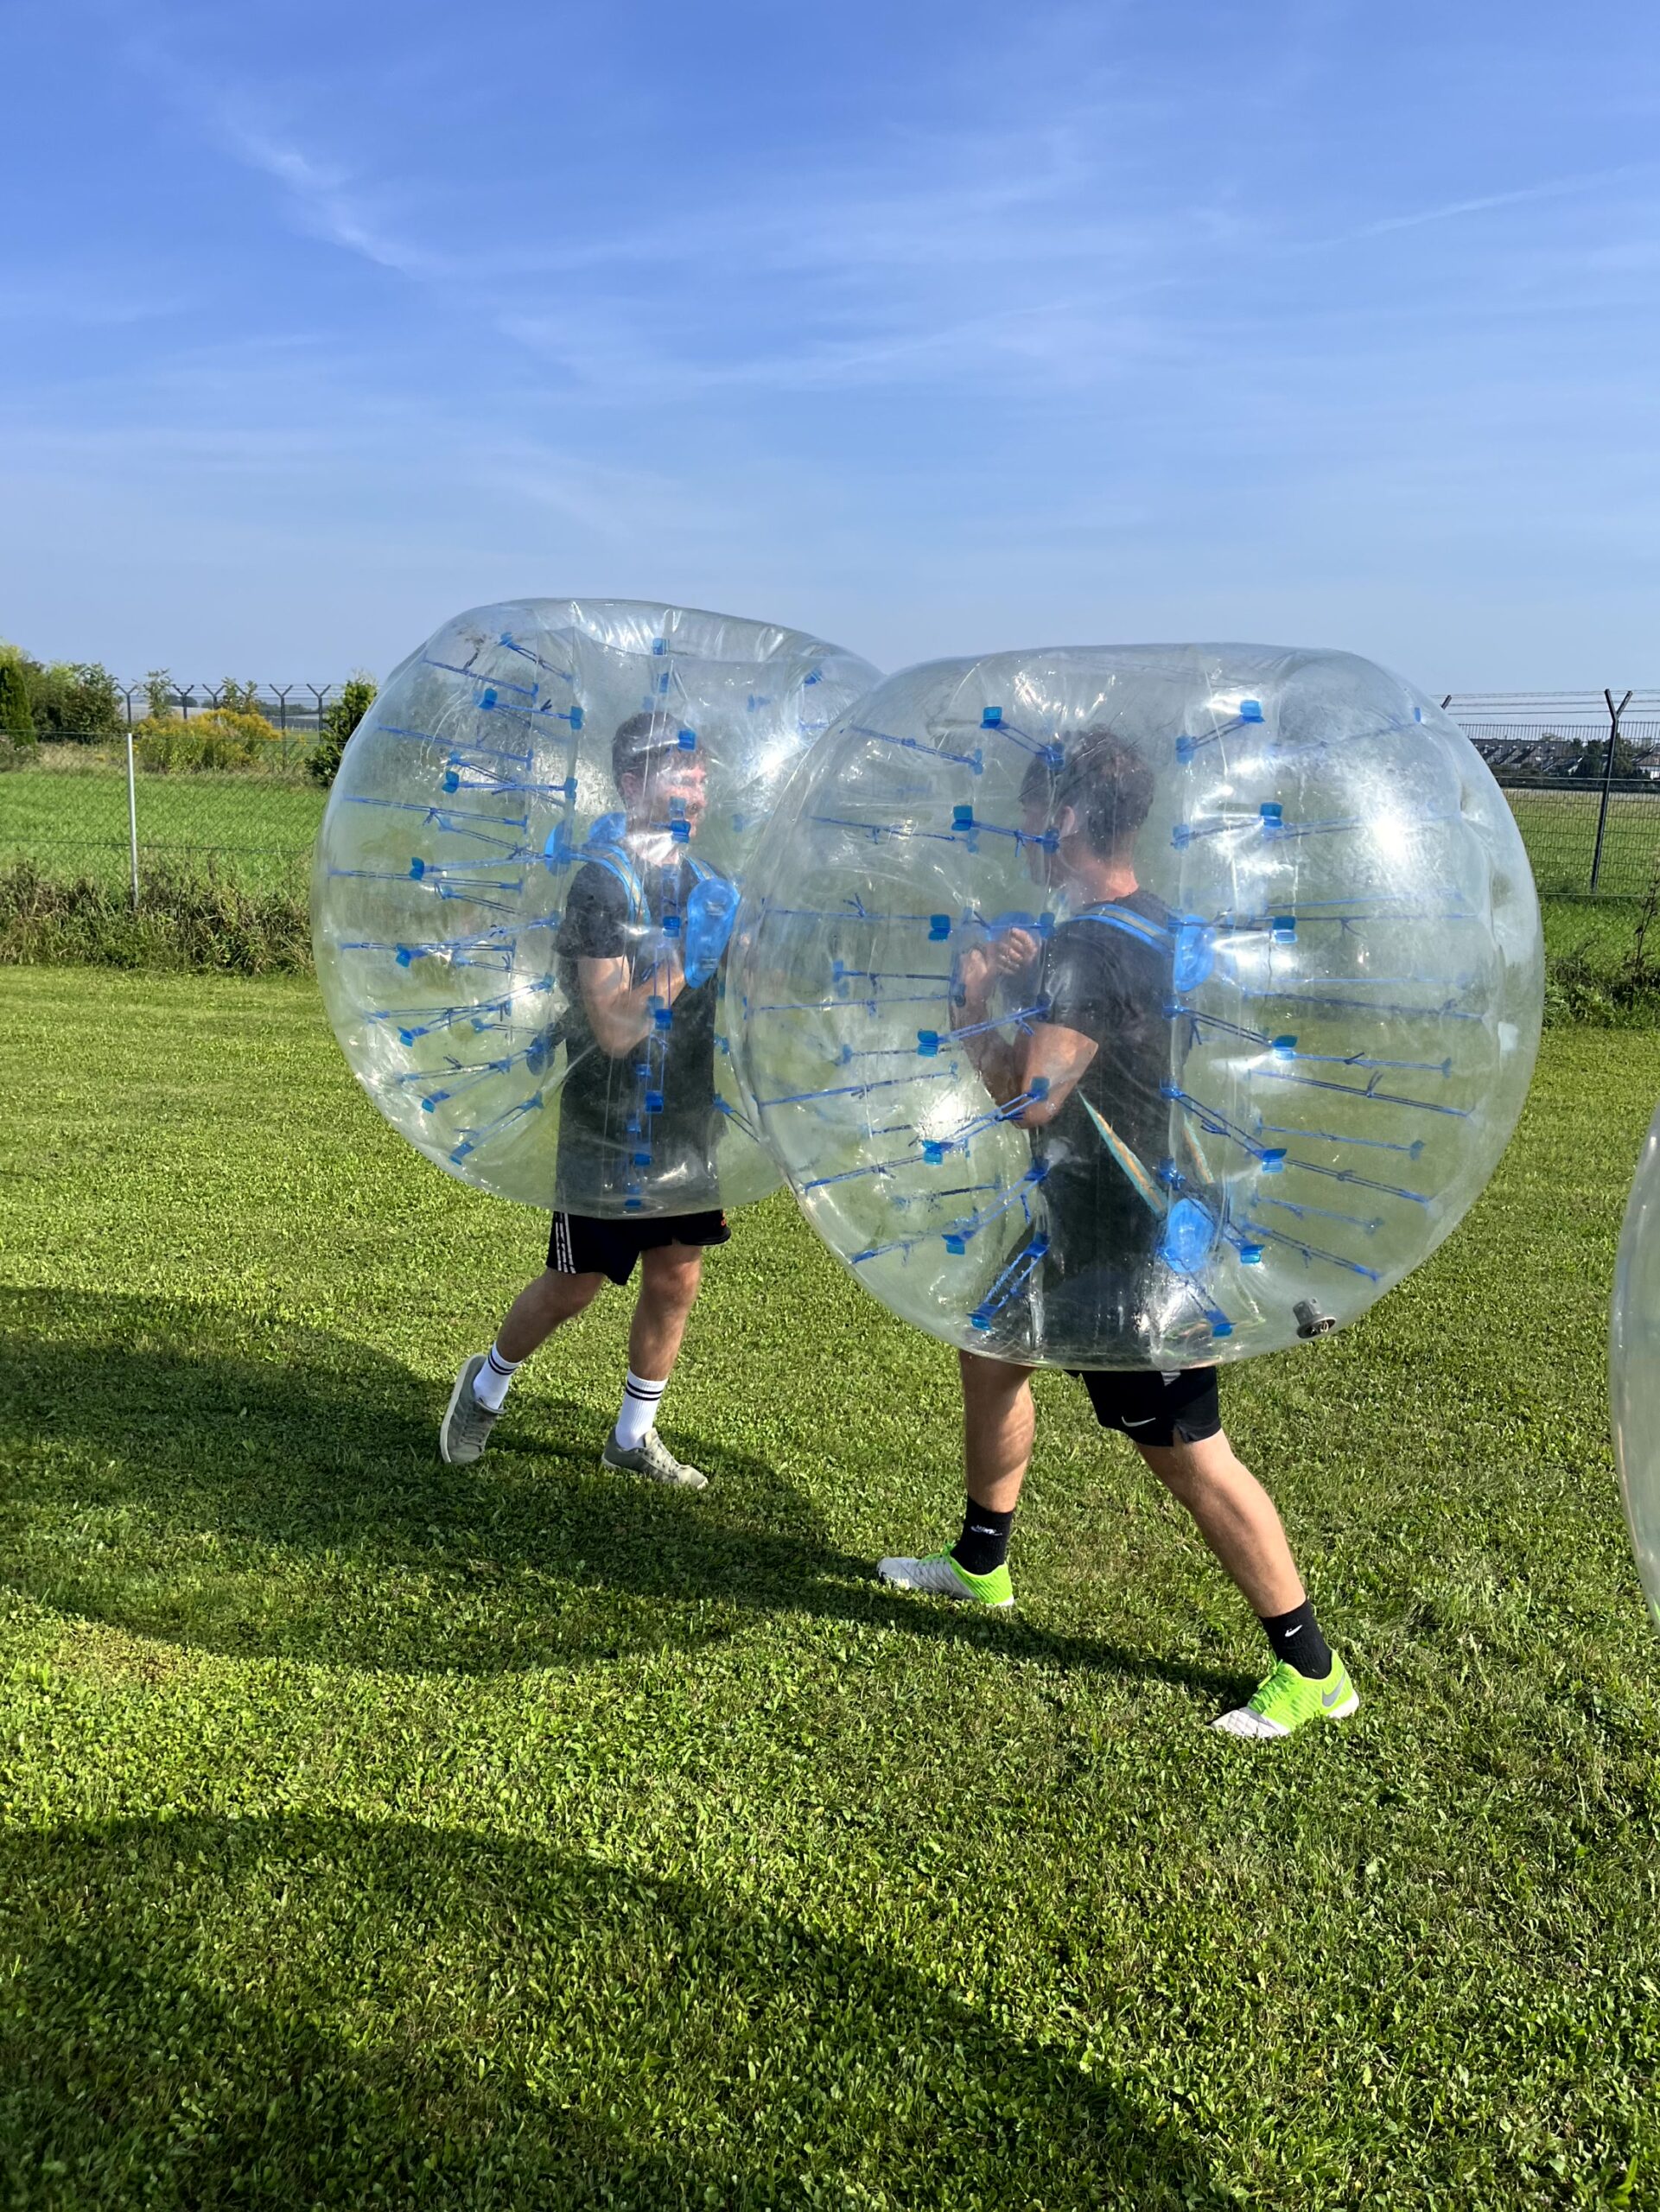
(1190, 943)
(1145, 1186)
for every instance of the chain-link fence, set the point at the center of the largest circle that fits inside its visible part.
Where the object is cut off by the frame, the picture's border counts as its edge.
(219, 779)
(1581, 772)
(83, 816)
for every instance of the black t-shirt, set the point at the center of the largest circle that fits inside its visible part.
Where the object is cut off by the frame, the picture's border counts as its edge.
(1112, 987)
(603, 1095)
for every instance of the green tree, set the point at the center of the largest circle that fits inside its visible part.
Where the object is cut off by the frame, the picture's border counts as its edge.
(16, 720)
(341, 718)
(1591, 762)
(76, 700)
(158, 694)
(241, 698)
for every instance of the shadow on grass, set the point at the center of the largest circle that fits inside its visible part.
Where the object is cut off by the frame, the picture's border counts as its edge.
(325, 2011)
(186, 1472)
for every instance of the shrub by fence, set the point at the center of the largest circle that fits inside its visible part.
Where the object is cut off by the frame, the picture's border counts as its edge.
(184, 917)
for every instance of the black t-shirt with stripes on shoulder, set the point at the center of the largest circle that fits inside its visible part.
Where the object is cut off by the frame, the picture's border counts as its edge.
(1105, 1147)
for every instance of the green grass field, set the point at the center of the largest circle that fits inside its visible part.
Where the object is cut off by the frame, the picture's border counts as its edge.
(73, 819)
(75, 814)
(374, 1832)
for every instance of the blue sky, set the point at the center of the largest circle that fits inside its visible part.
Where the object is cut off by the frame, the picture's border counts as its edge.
(933, 327)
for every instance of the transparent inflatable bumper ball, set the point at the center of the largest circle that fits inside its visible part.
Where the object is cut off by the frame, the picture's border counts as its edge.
(1138, 1005)
(526, 879)
(1634, 1367)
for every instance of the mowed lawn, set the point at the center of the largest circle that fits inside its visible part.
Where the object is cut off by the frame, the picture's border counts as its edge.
(375, 1833)
(71, 818)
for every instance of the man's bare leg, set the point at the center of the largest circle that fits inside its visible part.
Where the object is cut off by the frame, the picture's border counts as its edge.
(998, 1423)
(1235, 1517)
(1228, 1505)
(1240, 1524)
(540, 1308)
(670, 1277)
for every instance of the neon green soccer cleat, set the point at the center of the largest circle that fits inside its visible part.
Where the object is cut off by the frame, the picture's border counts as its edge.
(1284, 1699)
(941, 1577)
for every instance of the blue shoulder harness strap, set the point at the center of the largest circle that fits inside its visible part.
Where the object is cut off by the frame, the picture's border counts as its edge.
(1191, 945)
(610, 854)
(1145, 931)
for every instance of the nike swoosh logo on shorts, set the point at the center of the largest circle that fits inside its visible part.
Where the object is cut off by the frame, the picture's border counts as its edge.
(1146, 1422)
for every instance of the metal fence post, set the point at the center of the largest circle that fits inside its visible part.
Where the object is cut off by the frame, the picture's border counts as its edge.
(1614, 714)
(132, 818)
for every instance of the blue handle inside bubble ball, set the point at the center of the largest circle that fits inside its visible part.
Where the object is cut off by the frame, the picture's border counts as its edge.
(1190, 1231)
(1041, 925)
(606, 833)
(1195, 955)
(711, 909)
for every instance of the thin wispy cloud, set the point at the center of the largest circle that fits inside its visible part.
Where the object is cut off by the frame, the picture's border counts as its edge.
(1486, 203)
(321, 196)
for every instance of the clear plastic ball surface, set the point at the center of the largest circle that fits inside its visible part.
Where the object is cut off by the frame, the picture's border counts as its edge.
(1138, 1005)
(1634, 1366)
(525, 882)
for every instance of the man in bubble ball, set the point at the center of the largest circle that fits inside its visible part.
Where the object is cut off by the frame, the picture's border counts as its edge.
(644, 928)
(1091, 1068)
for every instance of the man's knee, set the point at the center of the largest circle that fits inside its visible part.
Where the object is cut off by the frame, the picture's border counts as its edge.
(1186, 1466)
(562, 1295)
(988, 1383)
(671, 1274)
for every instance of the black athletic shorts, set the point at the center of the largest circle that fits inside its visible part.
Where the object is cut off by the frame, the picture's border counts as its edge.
(582, 1244)
(1150, 1408)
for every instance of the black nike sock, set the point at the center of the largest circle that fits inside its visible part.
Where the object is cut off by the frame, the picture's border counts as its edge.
(1295, 1636)
(983, 1544)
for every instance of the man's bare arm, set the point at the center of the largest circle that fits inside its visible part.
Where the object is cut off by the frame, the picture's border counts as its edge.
(1056, 1058)
(979, 972)
(619, 1010)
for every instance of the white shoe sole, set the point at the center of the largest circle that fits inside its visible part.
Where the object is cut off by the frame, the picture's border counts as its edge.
(1252, 1728)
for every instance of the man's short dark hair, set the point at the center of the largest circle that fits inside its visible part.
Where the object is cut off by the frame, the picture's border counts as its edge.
(1109, 786)
(637, 739)
(1038, 784)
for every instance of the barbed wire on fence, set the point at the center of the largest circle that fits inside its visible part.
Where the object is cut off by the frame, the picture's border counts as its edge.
(294, 708)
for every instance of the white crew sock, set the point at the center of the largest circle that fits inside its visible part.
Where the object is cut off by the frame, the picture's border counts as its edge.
(490, 1384)
(640, 1400)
